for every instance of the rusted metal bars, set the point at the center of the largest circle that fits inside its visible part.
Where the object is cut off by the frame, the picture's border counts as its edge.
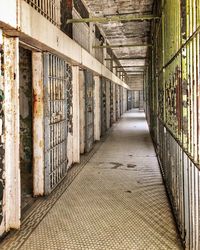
(48, 8)
(56, 123)
(175, 124)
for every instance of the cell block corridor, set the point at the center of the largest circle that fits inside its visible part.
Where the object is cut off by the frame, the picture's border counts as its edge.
(117, 201)
(100, 124)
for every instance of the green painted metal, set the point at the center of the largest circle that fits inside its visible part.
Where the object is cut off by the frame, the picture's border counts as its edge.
(172, 96)
(116, 18)
(121, 46)
(130, 66)
(127, 58)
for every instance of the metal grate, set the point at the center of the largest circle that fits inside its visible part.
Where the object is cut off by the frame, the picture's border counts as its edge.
(48, 8)
(56, 76)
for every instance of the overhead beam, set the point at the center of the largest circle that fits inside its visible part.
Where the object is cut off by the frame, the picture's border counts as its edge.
(142, 71)
(130, 66)
(126, 58)
(116, 18)
(121, 46)
(140, 74)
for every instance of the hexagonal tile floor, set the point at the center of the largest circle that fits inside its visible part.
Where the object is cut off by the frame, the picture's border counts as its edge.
(117, 201)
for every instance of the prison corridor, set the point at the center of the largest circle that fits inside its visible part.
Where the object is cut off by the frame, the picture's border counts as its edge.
(116, 201)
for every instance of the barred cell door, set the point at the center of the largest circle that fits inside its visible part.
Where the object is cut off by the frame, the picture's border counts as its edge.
(89, 110)
(121, 100)
(111, 104)
(57, 74)
(129, 100)
(103, 106)
(117, 101)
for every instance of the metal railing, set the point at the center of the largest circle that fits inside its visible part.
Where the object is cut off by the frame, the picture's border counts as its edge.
(50, 9)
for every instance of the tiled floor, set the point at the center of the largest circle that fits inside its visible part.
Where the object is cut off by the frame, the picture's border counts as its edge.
(117, 201)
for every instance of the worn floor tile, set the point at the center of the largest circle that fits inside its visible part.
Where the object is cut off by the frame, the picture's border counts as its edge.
(117, 201)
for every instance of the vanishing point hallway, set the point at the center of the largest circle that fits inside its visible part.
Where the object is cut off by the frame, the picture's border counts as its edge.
(117, 201)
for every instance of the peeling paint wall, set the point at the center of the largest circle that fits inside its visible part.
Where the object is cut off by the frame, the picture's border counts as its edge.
(82, 110)
(26, 119)
(2, 146)
(12, 132)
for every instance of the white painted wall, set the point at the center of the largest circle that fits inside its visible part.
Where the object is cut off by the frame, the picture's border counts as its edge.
(8, 12)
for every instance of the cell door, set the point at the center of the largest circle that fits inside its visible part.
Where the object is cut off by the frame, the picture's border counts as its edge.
(103, 106)
(111, 104)
(129, 100)
(89, 110)
(121, 100)
(117, 102)
(56, 76)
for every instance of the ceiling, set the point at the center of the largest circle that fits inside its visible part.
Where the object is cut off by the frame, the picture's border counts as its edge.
(124, 32)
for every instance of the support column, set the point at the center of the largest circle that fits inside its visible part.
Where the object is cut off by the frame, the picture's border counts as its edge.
(38, 124)
(76, 116)
(82, 110)
(12, 167)
(97, 109)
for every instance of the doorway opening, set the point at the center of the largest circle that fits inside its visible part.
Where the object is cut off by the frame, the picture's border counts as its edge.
(26, 127)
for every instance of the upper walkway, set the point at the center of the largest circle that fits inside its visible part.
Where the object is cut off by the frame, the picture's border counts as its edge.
(118, 200)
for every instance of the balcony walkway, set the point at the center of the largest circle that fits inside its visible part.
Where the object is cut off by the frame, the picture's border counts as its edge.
(117, 201)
